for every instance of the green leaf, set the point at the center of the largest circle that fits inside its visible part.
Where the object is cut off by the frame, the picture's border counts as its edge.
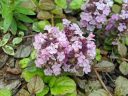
(7, 22)
(116, 8)
(7, 14)
(76, 4)
(33, 55)
(98, 51)
(35, 27)
(105, 66)
(13, 27)
(43, 92)
(42, 24)
(121, 86)
(18, 2)
(28, 74)
(118, 1)
(71, 94)
(24, 18)
(57, 11)
(60, 25)
(32, 68)
(17, 40)
(122, 49)
(92, 85)
(24, 62)
(29, 4)
(5, 92)
(21, 34)
(44, 15)
(126, 40)
(49, 80)
(46, 4)
(98, 57)
(124, 67)
(22, 26)
(61, 3)
(24, 11)
(99, 92)
(5, 39)
(52, 81)
(62, 86)
(39, 26)
(8, 49)
(35, 85)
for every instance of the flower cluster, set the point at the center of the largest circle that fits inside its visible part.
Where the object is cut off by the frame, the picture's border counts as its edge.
(95, 13)
(119, 21)
(64, 51)
(98, 14)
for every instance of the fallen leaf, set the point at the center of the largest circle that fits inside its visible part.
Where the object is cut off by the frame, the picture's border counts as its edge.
(3, 60)
(12, 85)
(35, 85)
(14, 71)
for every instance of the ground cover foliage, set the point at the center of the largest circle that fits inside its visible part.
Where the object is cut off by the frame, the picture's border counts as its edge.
(64, 47)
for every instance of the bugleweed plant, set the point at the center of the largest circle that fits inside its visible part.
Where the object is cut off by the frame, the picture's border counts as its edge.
(104, 14)
(68, 47)
(64, 50)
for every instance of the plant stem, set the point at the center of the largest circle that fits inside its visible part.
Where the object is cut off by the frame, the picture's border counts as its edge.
(102, 83)
(52, 20)
(28, 36)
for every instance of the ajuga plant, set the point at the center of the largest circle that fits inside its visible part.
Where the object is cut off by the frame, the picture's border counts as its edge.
(105, 14)
(64, 50)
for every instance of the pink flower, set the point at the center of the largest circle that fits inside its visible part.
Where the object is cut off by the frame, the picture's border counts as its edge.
(61, 56)
(91, 36)
(51, 49)
(62, 39)
(81, 59)
(122, 27)
(64, 51)
(39, 40)
(115, 17)
(90, 27)
(101, 19)
(66, 22)
(86, 16)
(48, 28)
(76, 46)
(48, 71)
(56, 69)
(100, 6)
(106, 11)
(39, 62)
(68, 49)
(87, 69)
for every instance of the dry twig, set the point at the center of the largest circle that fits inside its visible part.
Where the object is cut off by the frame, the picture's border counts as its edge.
(100, 80)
